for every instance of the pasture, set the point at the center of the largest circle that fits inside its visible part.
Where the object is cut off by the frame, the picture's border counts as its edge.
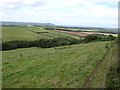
(70, 66)
(18, 33)
(10, 33)
(66, 66)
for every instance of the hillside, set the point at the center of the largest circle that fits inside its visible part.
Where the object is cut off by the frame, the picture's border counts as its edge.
(10, 33)
(51, 25)
(112, 76)
(48, 63)
(18, 33)
(4, 23)
(67, 66)
(106, 73)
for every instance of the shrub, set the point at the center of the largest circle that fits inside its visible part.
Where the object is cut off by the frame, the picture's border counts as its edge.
(98, 37)
(111, 37)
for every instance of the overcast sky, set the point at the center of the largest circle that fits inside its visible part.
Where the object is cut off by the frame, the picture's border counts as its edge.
(95, 13)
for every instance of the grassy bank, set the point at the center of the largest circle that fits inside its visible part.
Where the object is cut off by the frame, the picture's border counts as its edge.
(66, 66)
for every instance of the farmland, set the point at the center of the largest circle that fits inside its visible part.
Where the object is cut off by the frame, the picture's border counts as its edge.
(84, 33)
(66, 64)
(10, 33)
(18, 33)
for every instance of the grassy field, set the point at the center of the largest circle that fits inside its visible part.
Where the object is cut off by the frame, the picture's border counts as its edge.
(99, 76)
(18, 33)
(81, 65)
(67, 66)
(10, 33)
(50, 33)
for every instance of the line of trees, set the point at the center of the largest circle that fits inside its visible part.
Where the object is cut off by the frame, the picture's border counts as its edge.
(48, 43)
(98, 37)
(43, 43)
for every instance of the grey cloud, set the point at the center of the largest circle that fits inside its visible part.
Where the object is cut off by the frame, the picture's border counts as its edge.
(9, 6)
(35, 4)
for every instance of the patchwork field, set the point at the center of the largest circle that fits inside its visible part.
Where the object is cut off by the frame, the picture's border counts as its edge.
(66, 66)
(10, 33)
(82, 34)
(54, 58)
(85, 33)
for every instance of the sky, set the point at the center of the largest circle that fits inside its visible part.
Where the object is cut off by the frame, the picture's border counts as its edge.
(93, 13)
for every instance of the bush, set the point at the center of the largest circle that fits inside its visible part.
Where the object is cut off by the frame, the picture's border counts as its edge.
(113, 77)
(111, 37)
(91, 37)
(98, 37)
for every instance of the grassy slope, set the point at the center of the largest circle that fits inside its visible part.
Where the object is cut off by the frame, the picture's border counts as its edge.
(66, 66)
(103, 77)
(19, 33)
(112, 76)
(28, 33)
(51, 33)
(100, 74)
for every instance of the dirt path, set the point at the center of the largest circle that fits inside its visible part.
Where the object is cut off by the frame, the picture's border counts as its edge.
(88, 81)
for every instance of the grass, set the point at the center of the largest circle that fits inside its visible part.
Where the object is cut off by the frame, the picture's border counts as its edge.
(113, 72)
(10, 33)
(50, 33)
(66, 66)
(100, 75)
(106, 75)
(18, 33)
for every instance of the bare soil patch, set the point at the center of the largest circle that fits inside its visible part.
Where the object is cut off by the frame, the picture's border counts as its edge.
(82, 34)
(73, 33)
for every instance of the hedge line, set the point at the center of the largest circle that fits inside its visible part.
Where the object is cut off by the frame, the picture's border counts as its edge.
(48, 43)
(43, 43)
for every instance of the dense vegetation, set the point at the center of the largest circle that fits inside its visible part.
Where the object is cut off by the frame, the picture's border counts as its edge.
(48, 43)
(43, 43)
(99, 37)
(112, 78)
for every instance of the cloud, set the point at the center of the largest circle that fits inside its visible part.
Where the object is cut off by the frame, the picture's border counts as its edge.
(65, 12)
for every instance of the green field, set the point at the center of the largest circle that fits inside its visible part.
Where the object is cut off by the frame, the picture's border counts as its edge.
(50, 33)
(66, 66)
(85, 64)
(18, 33)
(10, 33)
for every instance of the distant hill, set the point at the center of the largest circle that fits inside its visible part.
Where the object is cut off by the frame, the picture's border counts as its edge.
(102, 29)
(4, 23)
